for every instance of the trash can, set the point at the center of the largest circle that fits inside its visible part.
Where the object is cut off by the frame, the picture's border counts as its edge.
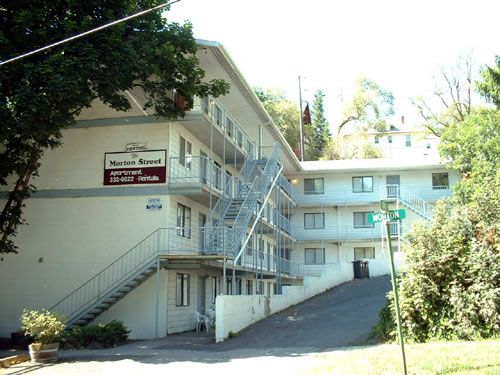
(361, 270)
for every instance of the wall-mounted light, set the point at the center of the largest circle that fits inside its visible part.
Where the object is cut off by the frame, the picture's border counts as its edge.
(294, 181)
(40, 260)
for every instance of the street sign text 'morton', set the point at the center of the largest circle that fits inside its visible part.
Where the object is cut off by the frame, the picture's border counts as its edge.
(378, 217)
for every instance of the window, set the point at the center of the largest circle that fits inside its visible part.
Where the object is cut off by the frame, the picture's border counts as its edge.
(215, 288)
(229, 127)
(314, 221)
(185, 152)
(408, 141)
(377, 140)
(364, 253)
(440, 181)
(239, 138)
(183, 221)
(314, 186)
(261, 249)
(182, 296)
(218, 115)
(361, 220)
(362, 184)
(206, 104)
(250, 247)
(389, 139)
(315, 256)
(428, 146)
(249, 287)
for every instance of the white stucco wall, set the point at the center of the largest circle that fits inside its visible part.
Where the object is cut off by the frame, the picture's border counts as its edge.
(234, 313)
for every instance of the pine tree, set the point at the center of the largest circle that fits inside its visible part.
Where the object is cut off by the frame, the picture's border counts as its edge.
(317, 134)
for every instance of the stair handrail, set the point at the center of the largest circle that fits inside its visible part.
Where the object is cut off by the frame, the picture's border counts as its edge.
(243, 246)
(269, 172)
(98, 277)
(222, 201)
(247, 208)
(407, 197)
(426, 208)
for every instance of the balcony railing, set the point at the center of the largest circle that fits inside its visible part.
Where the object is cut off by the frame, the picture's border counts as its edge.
(195, 171)
(330, 196)
(261, 260)
(342, 232)
(216, 114)
(304, 198)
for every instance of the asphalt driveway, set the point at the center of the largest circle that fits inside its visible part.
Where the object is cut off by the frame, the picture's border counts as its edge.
(338, 318)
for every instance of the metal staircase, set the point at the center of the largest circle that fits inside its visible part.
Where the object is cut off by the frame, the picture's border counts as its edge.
(233, 214)
(111, 284)
(408, 199)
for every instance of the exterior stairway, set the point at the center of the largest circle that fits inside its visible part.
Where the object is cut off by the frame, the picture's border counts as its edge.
(408, 199)
(233, 214)
(111, 284)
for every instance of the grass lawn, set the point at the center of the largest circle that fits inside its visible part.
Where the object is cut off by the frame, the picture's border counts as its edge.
(480, 357)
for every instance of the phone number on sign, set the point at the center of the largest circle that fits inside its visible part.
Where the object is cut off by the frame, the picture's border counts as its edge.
(121, 179)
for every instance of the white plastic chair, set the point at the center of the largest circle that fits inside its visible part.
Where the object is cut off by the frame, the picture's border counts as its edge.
(201, 320)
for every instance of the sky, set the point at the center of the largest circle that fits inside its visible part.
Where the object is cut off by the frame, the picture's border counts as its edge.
(400, 45)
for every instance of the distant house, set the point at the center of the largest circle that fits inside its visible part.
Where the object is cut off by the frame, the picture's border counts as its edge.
(401, 142)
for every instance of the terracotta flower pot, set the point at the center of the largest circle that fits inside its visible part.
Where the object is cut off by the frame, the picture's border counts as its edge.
(41, 353)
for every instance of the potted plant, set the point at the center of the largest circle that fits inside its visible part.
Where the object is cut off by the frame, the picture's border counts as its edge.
(45, 328)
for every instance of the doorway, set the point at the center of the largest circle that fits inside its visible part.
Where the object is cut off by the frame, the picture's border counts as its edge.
(392, 186)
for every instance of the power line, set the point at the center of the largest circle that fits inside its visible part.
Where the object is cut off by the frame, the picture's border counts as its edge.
(89, 32)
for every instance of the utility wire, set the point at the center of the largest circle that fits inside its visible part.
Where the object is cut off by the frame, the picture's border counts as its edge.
(88, 32)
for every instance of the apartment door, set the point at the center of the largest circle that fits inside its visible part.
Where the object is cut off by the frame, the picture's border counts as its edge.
(202, 221)
(392, 186)
(203, 167)
(217, 175)
(228, 187)
(202, 284)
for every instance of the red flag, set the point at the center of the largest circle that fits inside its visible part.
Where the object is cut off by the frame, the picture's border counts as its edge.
(307, 115)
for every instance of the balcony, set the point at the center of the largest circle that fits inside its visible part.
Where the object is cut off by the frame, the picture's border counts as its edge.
(189, 242)
(334, 197)
(214, 125)
(197, 175)
(338, 233)
(340, 197)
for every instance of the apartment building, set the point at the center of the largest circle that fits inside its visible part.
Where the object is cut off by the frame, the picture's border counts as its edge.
(152, 221)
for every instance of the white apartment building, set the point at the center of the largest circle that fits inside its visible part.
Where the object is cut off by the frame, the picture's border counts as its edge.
(152, 221)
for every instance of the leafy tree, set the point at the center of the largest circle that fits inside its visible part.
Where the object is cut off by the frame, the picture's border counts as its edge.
(42, 94)
(452, 97)
(490, 88)
(369, 108)
(284, 113)
(451, 289)
(317, 133)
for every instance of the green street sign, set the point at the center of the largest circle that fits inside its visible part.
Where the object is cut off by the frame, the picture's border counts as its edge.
(378, 217)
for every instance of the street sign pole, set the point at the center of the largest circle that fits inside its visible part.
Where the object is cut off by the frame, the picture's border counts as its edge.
(395, 289)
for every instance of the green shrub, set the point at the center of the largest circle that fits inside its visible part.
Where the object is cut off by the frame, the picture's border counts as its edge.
(451, 289)
(112, 334)
(43, 327)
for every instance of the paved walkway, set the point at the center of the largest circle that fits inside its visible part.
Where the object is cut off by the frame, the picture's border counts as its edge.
(340, 317)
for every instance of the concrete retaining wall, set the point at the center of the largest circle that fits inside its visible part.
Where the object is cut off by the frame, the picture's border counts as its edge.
(381, 266)
(234, 313)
